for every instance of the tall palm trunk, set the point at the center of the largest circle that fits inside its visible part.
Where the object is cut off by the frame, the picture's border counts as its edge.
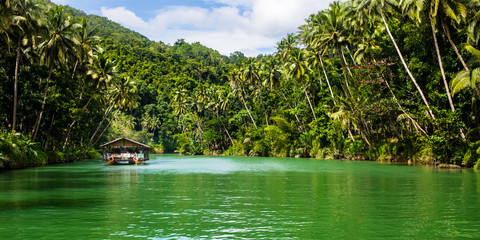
(90, 145)
(74, 68)
(344, 66)
(105, 129)
(345, 62)
(109, 109)
(69, 130)
(437, 49)
(452, 107)
(350, 54)
(15, 85)
(248, 111)
(47, 140)
(39, 118)
(300, 124)
(417, 126)
(224, 128)
(309, 102)
(447, 32)
(319, 76)
(326, 78)
(404, 63)
(336, 75)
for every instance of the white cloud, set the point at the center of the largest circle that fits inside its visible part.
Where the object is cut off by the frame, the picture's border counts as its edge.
(250, 26)
(61, 2)
(124, 17)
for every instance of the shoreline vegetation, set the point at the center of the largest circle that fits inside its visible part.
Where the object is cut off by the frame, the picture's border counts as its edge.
(361, 80)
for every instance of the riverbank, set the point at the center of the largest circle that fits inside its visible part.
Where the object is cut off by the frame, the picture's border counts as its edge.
(18, 152)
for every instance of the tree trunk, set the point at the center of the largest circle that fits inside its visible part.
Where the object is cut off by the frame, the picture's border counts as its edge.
(437, 49)
(89, 146)
(74, 69)
(39, 118)
(366, 140)
(336, 75)
(309, 102)
(100, 124)
(350, 54)
(417, 126)
(224, 128)
(296, 116)
(447, 32)
(319, 76)
(345, 61)
(350, 133)
(452, 107)
(344, 66)
(405, 64)
(47, 140)
(67, 135)
(106, 127)
(15, 85)
(326, 77)
(249, 114)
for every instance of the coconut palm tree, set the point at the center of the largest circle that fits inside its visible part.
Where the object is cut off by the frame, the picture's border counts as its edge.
(310, 35)
(237, 82)
(436, 11)
(216, 97)
(180, 103)
(24, 21)
(350, 115)
(86, 46)
(372, 7)
(474, 25)
(286, 45)
(122, 95)
(56, 47)
(335, 35)
(101, 69)
(468, 78)
(296, 68)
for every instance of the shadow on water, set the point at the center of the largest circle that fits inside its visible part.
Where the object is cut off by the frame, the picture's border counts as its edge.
(50, 202)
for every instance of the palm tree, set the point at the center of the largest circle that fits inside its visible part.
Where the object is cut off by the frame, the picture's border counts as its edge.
(237, 82)
(122, 96)
(296, 68)
(334, 35)
(103, 70)
(215, 98)
(468, 78)
(372, 7)
(436, 14)
(286, 45)
(310, 34)
(474, 25)
(349, 114)
(86, 44)
(180, 103)
(56, 47)
(25, 14)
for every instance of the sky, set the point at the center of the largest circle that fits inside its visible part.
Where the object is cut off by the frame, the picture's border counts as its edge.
(249, 26)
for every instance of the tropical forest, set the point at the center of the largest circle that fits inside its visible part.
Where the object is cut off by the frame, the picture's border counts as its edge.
(378, 80)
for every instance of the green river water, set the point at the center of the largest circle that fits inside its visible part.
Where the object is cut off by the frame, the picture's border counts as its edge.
(185, 197)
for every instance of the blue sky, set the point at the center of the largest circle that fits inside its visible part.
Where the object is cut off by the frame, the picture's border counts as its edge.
(250, 26)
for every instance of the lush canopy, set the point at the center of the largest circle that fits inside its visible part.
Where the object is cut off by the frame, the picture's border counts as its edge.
(361, 80)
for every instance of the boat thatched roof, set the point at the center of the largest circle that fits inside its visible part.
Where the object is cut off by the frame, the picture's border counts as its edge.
(125, 142)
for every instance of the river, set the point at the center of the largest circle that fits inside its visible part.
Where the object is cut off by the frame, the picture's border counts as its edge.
(184, 197)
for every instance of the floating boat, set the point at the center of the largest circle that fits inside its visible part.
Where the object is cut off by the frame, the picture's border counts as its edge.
(125, 151)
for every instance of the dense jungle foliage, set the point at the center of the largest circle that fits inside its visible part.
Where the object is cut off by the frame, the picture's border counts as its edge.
(363, 79)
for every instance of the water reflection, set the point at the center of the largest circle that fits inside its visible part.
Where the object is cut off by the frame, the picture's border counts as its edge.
(222, 197)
